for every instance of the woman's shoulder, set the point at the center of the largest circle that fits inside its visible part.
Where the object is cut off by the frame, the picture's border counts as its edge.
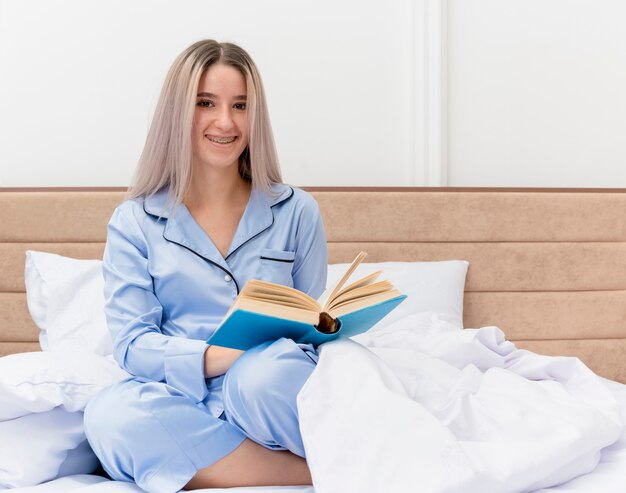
(294, 197)
(137, 219)
(129, 205)
(130, 210)
(137, 208)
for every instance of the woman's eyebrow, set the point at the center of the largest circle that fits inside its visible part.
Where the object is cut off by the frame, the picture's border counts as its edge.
(215, 96)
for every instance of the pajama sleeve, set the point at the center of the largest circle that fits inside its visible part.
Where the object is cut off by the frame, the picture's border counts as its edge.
(311, 261)
(134, 313)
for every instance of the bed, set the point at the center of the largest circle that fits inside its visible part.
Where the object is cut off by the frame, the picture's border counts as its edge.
(546, 267)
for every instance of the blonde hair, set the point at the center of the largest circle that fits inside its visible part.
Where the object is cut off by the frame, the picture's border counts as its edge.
(167, 155)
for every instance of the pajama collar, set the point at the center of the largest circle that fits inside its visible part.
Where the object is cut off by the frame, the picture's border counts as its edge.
(181, 228)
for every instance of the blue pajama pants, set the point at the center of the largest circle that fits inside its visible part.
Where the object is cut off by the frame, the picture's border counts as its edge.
(158, 437)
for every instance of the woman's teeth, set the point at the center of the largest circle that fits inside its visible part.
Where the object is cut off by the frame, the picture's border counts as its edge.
(222, 140)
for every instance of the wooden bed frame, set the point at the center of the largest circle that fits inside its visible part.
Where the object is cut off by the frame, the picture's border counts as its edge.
(546, 266)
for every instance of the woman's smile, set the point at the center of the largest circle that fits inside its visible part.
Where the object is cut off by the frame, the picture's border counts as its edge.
(221, 141)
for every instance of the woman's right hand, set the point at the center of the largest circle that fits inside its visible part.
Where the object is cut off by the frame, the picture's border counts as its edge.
(218, 359)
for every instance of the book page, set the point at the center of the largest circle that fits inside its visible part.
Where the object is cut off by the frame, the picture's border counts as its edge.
(360, 292)
(354, 305)
(268, 290)
(355, 263)
(280, 300)
(360, 283)
(279, 311)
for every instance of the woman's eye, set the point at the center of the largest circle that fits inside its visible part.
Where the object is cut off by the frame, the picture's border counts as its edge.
(205, 103)
(240, 106)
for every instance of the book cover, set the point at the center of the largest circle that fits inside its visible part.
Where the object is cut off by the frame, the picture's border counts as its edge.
(265, 311)
(245, 329)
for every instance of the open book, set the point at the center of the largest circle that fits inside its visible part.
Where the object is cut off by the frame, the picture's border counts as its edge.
(265, 311)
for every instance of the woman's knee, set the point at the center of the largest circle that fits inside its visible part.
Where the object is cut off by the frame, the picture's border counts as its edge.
(270, 371)
(111, 425)
(101, 414)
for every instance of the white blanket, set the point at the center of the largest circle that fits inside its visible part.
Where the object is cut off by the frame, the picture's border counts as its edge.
(426, 407)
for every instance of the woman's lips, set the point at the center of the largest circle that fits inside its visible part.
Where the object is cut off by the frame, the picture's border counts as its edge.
(221, 140)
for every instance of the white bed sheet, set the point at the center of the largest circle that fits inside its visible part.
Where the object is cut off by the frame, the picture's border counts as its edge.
(88, 483)
(610, 474)
(420, 335)
(608, 477)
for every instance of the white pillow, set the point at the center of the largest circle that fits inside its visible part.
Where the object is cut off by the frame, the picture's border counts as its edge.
(39, 382)
(42, 396)
(66, 301)
(40, 447)
(430, 287)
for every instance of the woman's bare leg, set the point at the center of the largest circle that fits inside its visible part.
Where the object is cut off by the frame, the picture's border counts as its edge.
(251, 464)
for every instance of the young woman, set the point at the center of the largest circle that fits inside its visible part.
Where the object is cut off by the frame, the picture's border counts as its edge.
(207, 212)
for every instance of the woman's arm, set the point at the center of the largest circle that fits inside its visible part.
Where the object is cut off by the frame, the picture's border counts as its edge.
(310, 267)
(134, 313)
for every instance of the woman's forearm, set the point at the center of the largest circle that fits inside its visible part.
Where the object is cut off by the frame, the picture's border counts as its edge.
(217, 360)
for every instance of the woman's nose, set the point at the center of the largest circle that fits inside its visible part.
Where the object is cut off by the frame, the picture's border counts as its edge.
(224, 120)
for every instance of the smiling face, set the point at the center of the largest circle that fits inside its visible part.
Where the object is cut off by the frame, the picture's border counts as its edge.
(220, 123)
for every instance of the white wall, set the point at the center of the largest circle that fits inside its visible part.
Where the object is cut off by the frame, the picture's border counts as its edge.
(361, 92)
(537, 93)
(80, 79)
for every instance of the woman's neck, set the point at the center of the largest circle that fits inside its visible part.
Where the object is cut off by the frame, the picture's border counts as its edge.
(215, 190)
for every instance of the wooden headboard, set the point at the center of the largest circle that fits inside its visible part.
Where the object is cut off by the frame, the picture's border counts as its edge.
(546, 266)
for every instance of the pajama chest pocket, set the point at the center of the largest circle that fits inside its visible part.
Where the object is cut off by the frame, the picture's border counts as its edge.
(275, 266)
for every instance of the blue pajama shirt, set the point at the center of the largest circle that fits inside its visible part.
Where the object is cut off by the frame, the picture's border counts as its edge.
(167, 288)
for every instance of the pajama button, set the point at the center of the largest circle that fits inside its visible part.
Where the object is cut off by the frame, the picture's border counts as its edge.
(227, 278)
